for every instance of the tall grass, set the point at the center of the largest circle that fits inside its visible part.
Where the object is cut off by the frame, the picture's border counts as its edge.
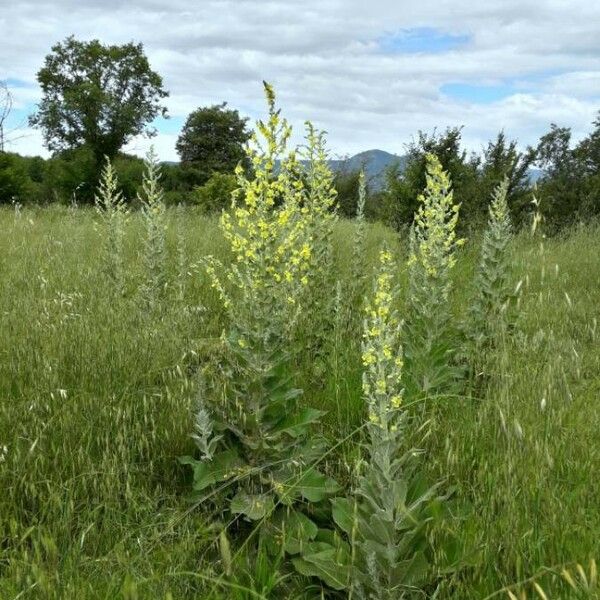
(96, 402)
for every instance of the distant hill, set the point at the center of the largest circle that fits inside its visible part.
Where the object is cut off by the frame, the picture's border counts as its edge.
(374, 162)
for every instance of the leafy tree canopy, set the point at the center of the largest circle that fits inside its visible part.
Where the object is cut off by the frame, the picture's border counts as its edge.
(97, 95)
(212, 140)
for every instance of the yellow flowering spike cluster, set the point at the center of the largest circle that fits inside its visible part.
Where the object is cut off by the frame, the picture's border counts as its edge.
(433, 243)
(434, 232)
(382, 353)
(271, 225)
(320, 193)
(318, 205)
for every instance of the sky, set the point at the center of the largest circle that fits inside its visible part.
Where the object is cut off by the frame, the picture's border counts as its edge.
(372, 74)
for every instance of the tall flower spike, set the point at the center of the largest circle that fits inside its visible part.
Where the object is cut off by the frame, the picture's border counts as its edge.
(268, 233)
(111, 209)
(382, 353)
(433, 244)
(492, 287)
(154, 212)
(435, 227)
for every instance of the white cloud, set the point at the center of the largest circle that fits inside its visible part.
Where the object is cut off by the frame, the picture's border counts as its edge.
(324, 58)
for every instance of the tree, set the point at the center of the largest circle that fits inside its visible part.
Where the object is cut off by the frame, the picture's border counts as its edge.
(502, 159)
(346, 184)
(97, 96)
(587, 155)
(400, 197)
(212, 140)
(560, 186)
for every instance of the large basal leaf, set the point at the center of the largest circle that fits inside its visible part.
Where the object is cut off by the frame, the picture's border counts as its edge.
(296, 424)
(329, 563)
(315, 486)
(253, 506)
(223, 466)
(343, 511)
(292, 529)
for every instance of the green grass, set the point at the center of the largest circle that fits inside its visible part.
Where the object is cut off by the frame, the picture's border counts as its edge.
(96, 398)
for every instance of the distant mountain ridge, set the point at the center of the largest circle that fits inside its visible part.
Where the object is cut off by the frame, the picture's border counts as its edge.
(374, 162)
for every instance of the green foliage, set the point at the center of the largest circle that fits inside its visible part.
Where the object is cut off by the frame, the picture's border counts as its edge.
(473, 177)
(211, 141)
(96, 95)
(502, 160)
(130, 171)
(403, 188)
(569, 189)
(216, 194)
(347, 185)
(14, 182)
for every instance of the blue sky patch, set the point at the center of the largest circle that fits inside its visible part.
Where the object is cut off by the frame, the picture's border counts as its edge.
(172, 125)
(480, 94)
(18, 83)
(421, 40)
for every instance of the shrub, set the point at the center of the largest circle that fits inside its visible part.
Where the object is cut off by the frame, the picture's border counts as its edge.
(216, 194)
(14, 182)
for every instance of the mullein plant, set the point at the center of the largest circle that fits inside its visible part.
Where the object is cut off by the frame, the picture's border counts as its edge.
(358, 248)
(493, 289)
(430, 347)
(380, 550)
(264, 456)
(155, 219)
(318, 209)
(112, 211)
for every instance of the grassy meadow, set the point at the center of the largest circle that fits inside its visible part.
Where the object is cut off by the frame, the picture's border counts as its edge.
(98, 392)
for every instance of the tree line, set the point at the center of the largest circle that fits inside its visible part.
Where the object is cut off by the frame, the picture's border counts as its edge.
(96, 98)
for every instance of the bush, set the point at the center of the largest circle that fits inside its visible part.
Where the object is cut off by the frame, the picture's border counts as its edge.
(215, 194)
(71, 176)
(14, 182)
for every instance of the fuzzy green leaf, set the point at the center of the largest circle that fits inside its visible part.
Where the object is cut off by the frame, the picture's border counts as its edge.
(329, 563)
(315, 486)
(223, 466)
(254, 507)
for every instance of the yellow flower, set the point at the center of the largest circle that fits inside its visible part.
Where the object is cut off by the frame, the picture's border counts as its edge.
(368, 358)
